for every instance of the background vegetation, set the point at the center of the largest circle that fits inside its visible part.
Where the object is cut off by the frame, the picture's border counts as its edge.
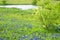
(15, 2)
(49, 15)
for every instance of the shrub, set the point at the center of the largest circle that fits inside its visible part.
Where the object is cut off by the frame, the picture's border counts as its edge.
(49, 14)
(4, 2)
(34, 2)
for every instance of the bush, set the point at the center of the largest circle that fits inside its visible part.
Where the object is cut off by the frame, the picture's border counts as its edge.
(43, 2)
(4, 2)
(34, 2)
(49, 15)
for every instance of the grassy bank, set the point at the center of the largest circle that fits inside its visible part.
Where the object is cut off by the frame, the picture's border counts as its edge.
(16, 24)
(2, 2)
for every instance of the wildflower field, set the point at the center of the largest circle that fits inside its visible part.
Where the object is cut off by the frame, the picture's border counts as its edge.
(42, 23)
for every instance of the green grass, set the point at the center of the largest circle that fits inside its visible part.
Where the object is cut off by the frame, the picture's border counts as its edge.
(40, 24)
(17, 2)
(1, 2)
(15, 23)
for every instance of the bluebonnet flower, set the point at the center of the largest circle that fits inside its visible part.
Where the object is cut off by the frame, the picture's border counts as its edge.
(1, 39)
(57, 35)
(25, 36)
(52, 35)
(57, 29)
(31, 39)
(6, 38)
(17, 26)
(29, 25)
(35, 38)
(33, 34)
(2, 19)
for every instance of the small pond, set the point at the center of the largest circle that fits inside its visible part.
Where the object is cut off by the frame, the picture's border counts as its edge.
(23, 7)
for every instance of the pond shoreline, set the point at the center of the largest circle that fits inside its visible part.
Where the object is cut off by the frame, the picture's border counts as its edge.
(23, 7)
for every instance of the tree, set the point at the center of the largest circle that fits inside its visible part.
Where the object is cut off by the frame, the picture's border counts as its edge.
(34, 2)
(4, 2)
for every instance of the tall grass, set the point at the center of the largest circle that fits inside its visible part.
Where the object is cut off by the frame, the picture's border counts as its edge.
(49, 16)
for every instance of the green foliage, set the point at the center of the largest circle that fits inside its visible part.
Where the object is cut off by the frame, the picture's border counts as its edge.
(17, 24)
(43, 2)
(4, 2)
(49, 15)
(34, 2)
(40, 24)
(21, 2)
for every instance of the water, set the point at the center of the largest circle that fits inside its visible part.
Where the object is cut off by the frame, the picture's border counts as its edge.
(23, 7)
